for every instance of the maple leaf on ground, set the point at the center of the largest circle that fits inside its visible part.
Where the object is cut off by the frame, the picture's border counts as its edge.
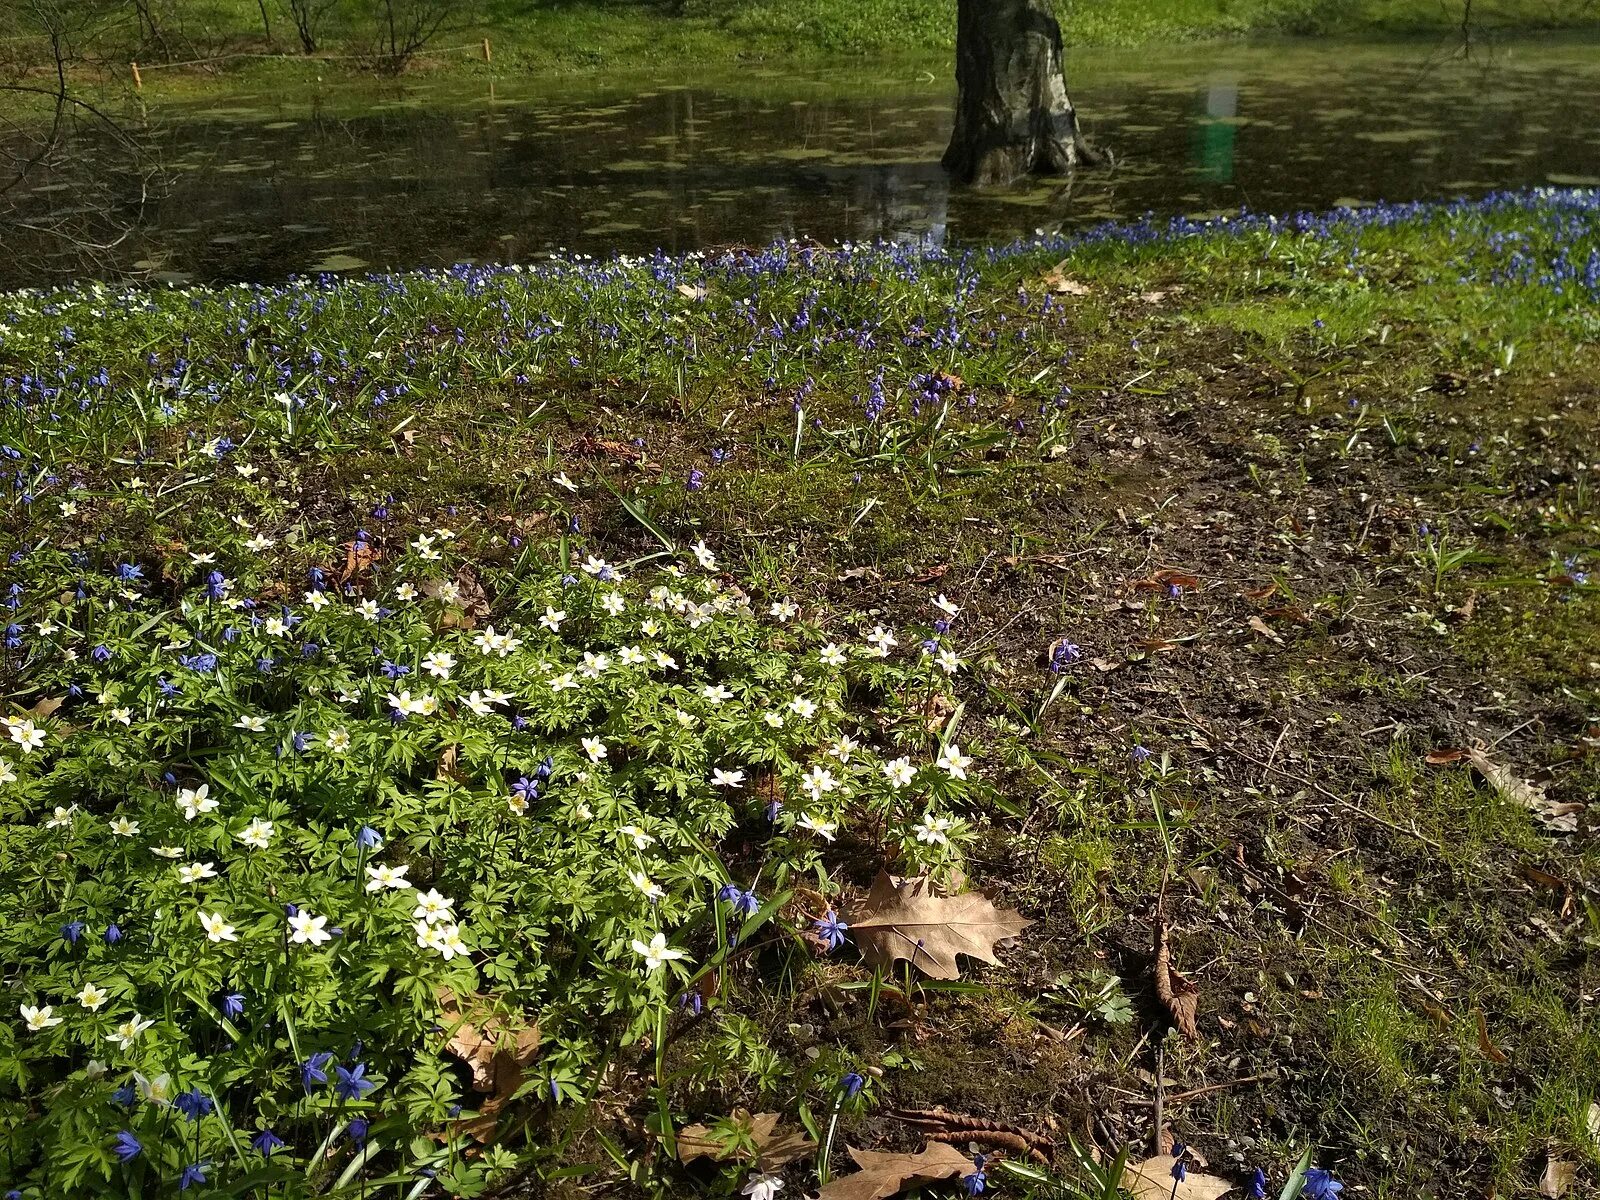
(889, 1173)
(904, 919)
(774, 1145)
(1152, 1180)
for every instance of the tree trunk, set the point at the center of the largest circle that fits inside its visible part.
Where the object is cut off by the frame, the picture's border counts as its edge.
(1013, 114)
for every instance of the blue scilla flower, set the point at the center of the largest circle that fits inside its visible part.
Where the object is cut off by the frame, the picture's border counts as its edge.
(1063, 654)
(232, 1006)
(265, 1142)
(692, 1002)
(192, 1174)
(193, 1104)
(352, 1083)
(127, 1147)
(1258, 1185)
(125, 1096)
(356, 1131)
(369, 838)
(314, 1071)
(851, 1083)
(975, 1183)
(1320, 1185)
(832, 929)
(72, 931)
(101, 654)
(113, 934)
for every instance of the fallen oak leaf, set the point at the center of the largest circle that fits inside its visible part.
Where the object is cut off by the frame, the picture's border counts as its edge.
(903, 919)
(1557, 1178)
(465, 604)
(1178, 995)
(1504, 782)
(1560, 817)
(889, 1173)
(494, 1048)
(45, 707)
(1056, 280)
(358, 556)
(774, 1145)
(1164, 579)
(1152, 1180)
(1265, 630)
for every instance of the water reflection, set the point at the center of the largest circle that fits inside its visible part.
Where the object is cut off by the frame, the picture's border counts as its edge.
(259, 186)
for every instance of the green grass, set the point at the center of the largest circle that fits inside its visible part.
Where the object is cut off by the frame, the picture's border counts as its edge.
(537, 37)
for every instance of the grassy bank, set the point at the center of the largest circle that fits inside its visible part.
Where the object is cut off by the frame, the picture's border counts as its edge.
(553, 658)
(629, 33)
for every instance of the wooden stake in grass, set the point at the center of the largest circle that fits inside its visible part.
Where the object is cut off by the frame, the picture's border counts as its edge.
(488, 56)
(138, 83)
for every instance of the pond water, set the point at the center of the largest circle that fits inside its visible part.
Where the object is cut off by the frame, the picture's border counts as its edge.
(258, 186)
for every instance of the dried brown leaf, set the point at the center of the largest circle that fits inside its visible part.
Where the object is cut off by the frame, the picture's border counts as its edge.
(1265, 630)
(774, 1144)
(1553, 815)
(1152, 1179)
(1056, 280)
(886, 1174)
(468, 606)
(1490, 1051)
(45, 707)
(906, 920)
(358, 556)
(495, 1047)
(1557, 1178)
(1178, 995)
(1505, 783)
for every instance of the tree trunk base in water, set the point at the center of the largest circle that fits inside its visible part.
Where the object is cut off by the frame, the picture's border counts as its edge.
(1013, 114)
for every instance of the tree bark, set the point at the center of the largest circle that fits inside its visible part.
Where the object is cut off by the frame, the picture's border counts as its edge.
(1013, 114)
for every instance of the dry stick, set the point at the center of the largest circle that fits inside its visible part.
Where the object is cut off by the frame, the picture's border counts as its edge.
(1193, 1093)
(1161, 1098)
(1276, 746)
